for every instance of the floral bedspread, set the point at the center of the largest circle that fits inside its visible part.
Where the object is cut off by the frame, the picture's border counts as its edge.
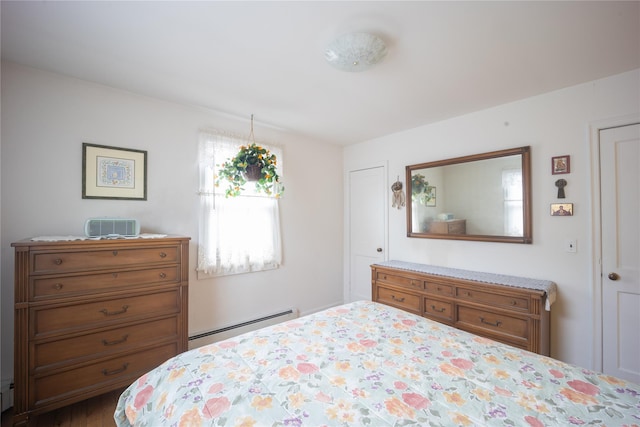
(368, 364)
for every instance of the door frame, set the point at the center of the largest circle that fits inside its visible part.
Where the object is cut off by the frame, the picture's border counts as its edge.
(596, 228)
(346, 279)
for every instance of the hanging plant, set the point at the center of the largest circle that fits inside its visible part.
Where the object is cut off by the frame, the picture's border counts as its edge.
(420, 189)
(253, 163)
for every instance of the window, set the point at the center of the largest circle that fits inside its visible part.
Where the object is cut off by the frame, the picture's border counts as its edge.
(512, 187)
(237, 234)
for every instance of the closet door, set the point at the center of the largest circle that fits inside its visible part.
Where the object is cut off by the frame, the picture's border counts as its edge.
(620, 206)
(367, 228)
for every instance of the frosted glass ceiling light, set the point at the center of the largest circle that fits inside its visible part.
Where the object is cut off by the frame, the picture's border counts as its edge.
(355, 51)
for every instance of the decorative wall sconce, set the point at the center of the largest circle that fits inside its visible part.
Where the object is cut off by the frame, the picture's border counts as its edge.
(561, 183)
(398, 195)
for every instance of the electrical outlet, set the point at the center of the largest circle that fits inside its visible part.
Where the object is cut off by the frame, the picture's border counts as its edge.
(570, 245)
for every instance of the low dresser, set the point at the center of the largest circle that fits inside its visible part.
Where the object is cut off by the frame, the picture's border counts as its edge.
(509, 309)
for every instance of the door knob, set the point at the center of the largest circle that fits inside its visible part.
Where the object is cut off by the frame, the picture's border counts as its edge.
(379, 250)
(613, 276)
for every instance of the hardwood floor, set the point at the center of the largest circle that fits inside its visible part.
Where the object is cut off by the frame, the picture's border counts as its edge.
(94, 412)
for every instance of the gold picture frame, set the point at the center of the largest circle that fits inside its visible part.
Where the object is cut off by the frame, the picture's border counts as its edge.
(561, 209)
(113, 173)
(431, 194)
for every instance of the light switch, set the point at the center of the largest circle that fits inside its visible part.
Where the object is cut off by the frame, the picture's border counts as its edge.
(570, 245)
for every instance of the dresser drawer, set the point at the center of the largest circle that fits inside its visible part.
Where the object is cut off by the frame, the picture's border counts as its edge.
(438, 309)
(59, 262)
(511, 327)
(83, 284)
(399, 299)
(454, 226)
(94, 345)
(93, 314)
(496, 300)
(121, 370)
(400, 280)
(439, 289)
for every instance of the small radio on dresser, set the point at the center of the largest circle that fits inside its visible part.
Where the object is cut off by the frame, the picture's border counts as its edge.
(98, 227)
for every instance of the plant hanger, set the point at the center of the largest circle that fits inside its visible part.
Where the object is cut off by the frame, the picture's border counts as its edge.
(253, 163)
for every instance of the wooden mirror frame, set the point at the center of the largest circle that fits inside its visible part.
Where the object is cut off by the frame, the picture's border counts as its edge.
(526, 237)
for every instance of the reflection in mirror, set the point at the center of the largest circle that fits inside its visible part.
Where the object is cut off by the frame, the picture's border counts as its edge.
(480, 197)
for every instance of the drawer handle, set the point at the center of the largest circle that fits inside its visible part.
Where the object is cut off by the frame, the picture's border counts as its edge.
(163, 275)
(497, 324)
(120, 341)
(115, 253)
(113, 313)
(467, 293)
(107, 373)
(114, 275)
(393, 297)
(433, 307)
(163, 255)
(57, 261)
(514, 302)
(58, 286)
(438, 289)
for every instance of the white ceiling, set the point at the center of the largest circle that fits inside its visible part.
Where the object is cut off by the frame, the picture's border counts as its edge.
(266, 58)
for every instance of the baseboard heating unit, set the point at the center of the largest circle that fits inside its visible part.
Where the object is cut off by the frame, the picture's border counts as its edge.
(204, 338)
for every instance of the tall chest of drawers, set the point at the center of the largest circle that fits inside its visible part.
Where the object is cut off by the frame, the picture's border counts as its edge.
(93, 315)
(509, 309)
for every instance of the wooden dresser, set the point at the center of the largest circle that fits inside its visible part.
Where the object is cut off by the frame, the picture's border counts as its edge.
(509, 309)
(91, 316)
(452, 226)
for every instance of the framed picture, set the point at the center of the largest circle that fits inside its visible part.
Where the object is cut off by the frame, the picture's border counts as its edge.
(431, 196)
(113, 173)
(560, 164)
(561, 209)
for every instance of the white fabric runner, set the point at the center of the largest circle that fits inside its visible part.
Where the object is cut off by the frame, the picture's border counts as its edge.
(71, 238)
(499, 279)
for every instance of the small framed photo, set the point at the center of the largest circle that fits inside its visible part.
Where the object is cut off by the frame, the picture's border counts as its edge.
(431, 196)
(561, 209)
(113, 173)
(560, 164)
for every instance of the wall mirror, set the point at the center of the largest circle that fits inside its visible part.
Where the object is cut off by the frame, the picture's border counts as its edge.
(484, 197)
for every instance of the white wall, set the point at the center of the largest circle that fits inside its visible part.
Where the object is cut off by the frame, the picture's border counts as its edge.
(552, 124)
(45, 119)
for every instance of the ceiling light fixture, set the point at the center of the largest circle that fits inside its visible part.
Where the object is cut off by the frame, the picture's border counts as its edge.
(355, 51)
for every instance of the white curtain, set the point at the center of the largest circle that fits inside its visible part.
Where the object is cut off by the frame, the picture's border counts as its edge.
(237, 234)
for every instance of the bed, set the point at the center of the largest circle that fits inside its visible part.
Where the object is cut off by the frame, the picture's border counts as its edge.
(365, 363)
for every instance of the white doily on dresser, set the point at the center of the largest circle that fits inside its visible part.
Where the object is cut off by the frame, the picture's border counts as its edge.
(499, 279)
(72, 238)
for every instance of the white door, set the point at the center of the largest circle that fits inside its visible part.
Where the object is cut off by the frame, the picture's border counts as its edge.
(620, 206)
(366, 228)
